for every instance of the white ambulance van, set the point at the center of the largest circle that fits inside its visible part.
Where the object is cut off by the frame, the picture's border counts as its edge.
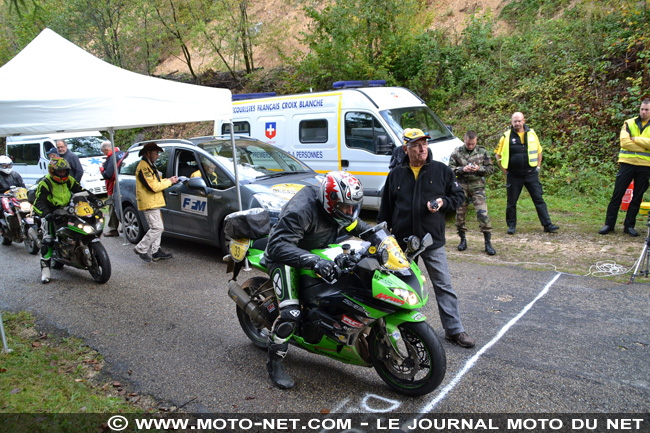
(353, 128)
(29, 154)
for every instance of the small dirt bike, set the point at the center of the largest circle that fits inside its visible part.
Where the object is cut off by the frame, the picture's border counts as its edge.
(368, 317)
(17, 222)
(79, 226)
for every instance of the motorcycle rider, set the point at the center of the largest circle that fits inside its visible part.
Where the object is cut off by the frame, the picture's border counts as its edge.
(313, 218)
(53, 192)
(8, 177)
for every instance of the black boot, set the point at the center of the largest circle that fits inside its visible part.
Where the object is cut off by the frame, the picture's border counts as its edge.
(488, 244)
(462, 246)
(277, 373)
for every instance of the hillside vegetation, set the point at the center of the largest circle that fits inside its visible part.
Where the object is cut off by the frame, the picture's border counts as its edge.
(576, 69)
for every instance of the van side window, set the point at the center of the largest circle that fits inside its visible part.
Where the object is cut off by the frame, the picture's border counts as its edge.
(313, 131)
(363, 131)
(241, 128)
(24, 153)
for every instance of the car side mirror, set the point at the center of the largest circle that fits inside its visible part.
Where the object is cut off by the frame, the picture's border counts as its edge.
(197, 183)
(382, 145)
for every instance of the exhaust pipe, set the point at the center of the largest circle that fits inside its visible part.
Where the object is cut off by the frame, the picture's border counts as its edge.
(243, 301)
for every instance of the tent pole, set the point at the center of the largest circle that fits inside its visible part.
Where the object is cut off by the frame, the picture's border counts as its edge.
(234, 160)
(116, 189)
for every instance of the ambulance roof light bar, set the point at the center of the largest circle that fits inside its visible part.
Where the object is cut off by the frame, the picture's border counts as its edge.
(243, 96)
(355, 84)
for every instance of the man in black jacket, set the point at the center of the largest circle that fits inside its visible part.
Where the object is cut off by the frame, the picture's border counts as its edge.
(416, 197)
(76, 169)
(312, 219)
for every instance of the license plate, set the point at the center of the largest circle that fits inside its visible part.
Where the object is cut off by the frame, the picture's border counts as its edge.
(239, 248)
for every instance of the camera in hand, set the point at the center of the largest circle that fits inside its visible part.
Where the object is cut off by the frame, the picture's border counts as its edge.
(434, 204)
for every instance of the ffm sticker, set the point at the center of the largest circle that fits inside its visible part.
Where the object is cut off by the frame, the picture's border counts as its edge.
(194, 204)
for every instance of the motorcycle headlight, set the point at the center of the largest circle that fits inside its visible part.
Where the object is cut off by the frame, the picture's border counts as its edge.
(25, 206)
(270, 202)
(410, 297)
(86, 228)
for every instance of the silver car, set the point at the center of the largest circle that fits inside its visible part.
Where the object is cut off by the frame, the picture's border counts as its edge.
(195, 209)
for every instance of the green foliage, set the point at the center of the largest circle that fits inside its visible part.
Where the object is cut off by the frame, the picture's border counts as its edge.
(358, 39)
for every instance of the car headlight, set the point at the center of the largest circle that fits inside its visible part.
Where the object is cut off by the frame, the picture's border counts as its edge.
(270, 202)
(410, 297)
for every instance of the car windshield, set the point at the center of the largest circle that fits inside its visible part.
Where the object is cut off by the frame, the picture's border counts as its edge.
(422, 118)
(85, 146)
(255, 159)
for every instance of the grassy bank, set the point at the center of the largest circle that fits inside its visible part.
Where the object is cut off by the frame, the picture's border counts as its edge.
(576, 249)
(45, 373)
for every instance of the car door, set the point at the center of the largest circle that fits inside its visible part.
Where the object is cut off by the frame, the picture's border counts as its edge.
(195, 212)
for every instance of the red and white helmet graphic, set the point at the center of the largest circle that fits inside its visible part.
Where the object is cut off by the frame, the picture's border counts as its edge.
(342, 196)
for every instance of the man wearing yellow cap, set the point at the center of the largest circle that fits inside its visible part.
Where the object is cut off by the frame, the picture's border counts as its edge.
(417, 195)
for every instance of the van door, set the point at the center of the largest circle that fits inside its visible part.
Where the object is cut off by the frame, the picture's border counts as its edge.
(274, 130)
(366, 143)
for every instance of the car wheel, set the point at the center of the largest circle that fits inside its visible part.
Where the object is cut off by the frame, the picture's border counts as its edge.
(132, 225)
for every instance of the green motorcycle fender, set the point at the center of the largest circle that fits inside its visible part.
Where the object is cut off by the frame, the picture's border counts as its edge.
(394, 320)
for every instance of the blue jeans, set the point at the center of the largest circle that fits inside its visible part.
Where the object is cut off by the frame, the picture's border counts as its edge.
(435, 261)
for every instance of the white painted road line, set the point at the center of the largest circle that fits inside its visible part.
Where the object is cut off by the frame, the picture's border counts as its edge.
(470, 362)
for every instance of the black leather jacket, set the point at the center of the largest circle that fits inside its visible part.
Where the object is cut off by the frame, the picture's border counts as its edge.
(303, 226)
(9, 180)
(404, 202)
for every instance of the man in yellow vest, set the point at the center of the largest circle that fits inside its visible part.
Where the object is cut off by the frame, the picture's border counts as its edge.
(519, 155)
(634, 159)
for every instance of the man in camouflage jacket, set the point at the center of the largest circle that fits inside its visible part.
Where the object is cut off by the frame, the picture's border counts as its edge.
(471, 164)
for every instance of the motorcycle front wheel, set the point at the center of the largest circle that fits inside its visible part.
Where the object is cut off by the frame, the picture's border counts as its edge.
(6, 241)
(424, 361)
(257, 333)
(101, 265)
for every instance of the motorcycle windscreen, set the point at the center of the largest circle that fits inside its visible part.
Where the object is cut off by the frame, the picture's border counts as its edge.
(396, 259)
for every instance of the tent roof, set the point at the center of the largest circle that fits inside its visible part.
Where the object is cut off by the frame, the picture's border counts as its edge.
(53, 85)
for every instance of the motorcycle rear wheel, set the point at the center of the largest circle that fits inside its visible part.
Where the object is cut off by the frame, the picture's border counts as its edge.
(6, 241)
(101, 267)
(31, 244)
(423, 369)
(258, 334)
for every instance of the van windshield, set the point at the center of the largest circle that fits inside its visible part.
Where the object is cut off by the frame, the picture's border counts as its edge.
(422, 118)
(85, 146)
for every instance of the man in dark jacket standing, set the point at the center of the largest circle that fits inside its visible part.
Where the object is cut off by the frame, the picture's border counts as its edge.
(416, 197)
(76, 170)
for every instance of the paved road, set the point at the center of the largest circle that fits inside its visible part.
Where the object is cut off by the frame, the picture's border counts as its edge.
(546, 342)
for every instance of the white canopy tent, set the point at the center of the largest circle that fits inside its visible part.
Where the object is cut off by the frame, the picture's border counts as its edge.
(53, 85)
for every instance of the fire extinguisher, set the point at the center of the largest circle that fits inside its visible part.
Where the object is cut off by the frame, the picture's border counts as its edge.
(627, 198)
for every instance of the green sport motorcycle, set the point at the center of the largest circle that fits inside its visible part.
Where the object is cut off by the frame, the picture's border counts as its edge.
(369, 316)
